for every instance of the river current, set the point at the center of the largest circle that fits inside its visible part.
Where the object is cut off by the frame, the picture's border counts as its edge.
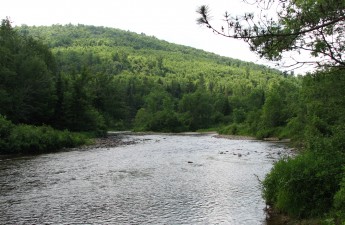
(162, 179)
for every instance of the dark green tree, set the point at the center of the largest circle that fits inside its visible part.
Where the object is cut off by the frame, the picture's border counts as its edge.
(79, 111)
(27, 77)
(196, 110)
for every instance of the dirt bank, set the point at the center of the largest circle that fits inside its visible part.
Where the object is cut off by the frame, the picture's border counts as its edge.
(111, 141)
(234, 137)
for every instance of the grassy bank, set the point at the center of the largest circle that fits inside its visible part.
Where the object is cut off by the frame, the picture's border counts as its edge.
(29, 139)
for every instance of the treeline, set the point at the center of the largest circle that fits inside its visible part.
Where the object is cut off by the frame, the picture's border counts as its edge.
(140, 82)
(312, 185)
(90, 79)
(28, 97)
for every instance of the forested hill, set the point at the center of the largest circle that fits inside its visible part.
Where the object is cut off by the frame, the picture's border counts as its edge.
(59, 36)
(117, 79)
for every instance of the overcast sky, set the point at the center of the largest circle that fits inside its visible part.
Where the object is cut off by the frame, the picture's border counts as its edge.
(170, 20)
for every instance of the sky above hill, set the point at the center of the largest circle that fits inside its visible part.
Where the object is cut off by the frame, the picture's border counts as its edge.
(173, 20)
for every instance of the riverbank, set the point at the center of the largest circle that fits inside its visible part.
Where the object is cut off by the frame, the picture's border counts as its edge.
(115, 138)
(275, 217)
(234, 137)
(112, 140)
(30, 139)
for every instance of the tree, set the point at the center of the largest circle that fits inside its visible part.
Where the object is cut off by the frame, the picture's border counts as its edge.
(313, 26)
(196, 109)
(80, 113)
(27, 77)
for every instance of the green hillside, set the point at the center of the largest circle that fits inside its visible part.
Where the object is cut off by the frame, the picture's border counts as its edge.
(128, 73)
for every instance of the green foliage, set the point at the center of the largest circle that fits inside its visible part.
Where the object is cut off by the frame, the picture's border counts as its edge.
(79, 111)
(142, 120)
(235, 129)
(304, 186)
(6, 127)
(197, 109)
(166, 121)
(310, 185)
(339, 203)
(27, 73)
(239, 115)
(116, 73)
(265, 133)
(309, 26)
(230, 129)
(94, 78)
(158, 114)
(99, 78)
(30, 139)
(277, 107)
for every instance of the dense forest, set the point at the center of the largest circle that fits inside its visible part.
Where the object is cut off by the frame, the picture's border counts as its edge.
(111, 79)
(62, 79)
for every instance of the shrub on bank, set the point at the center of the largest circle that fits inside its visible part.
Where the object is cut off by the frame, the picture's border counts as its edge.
(339, 203)
(304, 186)
(234, 129)
(6, 127)
(35, 139)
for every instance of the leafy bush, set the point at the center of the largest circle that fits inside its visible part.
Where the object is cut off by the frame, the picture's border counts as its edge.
(166, 121)
(304, 186)
(235, 129)
(239, 115)
(6, 127)
(32, 139)
(142, 119)
(230, 129)
(265, 133)
(25, 139)
(35, 139)
(163, 121)
(339, 203)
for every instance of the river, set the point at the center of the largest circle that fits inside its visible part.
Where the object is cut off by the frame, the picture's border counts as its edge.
(161, 179)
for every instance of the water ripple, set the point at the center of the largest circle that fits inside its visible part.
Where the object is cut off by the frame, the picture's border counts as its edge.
(166, 179)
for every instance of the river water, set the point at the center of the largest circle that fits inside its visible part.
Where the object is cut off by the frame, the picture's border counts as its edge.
(162, 179)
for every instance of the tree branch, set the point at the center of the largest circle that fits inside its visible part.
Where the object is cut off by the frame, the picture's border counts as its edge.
(314, 27)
